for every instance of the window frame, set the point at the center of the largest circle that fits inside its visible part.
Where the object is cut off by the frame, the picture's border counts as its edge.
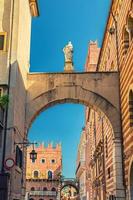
(44, 161)
(53, 160)
(50, 171)
(34, 172)
(4, 42)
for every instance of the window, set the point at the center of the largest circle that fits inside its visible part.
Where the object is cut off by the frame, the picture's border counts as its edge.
(32, 189)
(19, 157)
(130, 27)
(125, 40)
(3, 41)
(45, 189)
(53, 189)
(109, 172)
(50, 175)
(131, 107)
(42, 160)
(53, 161)
(36, 174)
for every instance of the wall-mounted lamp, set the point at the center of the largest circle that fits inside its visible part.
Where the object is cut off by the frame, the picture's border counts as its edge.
(33, 154)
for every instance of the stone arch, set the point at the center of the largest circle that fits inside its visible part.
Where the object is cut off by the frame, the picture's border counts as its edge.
(93, 89)
(76, 94)
(72, 185)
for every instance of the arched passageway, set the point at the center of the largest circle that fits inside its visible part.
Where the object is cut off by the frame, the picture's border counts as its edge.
(91, 89)
(69, 190)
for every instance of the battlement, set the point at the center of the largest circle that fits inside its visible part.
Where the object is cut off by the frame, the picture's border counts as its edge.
(45, 147)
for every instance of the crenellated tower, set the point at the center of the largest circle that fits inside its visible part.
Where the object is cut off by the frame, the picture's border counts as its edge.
(43, 175)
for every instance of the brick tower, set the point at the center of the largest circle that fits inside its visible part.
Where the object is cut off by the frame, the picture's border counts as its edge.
(43, 174)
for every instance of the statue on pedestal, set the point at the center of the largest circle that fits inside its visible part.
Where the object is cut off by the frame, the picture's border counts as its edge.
(68, 53)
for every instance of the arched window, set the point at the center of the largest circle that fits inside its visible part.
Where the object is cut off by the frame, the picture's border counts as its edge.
(32, 189)
(53, 189)
(131, 107)
(50, 175)
(36, 174)
(125, 40)
(45, 189)
(130, 27)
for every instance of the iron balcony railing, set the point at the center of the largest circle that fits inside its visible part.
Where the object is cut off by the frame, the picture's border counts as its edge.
(43, 193)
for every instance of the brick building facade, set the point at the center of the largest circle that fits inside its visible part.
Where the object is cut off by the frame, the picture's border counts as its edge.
(98, 132)
(115, 55)
(80, 166)
(42, 176)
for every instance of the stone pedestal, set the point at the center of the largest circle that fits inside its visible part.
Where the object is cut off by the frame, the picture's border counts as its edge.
(68, 67)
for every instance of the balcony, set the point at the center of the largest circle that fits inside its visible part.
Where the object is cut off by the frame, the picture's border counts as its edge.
(43, 193)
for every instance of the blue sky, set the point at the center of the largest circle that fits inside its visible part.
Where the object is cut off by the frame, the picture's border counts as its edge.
(60, 21)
